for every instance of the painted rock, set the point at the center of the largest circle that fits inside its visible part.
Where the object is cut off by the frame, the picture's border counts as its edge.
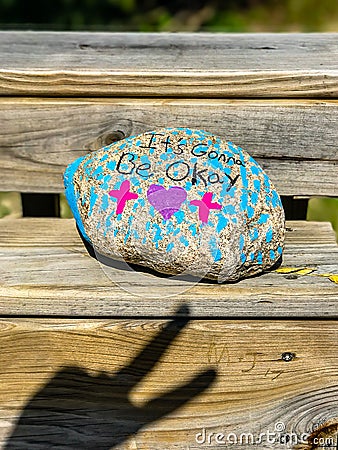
(178, 201)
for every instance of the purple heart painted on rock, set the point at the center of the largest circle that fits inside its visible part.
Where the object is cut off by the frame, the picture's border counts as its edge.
(166, 202)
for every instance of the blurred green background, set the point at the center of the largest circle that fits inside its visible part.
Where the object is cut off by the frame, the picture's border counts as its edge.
(162, 15)
(174, 15)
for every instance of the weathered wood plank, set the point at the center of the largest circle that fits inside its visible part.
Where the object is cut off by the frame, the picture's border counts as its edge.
(294, 140)
(150, 64)
(45, 270)
(74, 383)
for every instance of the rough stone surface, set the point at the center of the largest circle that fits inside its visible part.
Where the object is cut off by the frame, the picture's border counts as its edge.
(178, 200)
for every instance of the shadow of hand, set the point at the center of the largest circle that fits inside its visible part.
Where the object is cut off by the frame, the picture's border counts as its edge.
(77, 411)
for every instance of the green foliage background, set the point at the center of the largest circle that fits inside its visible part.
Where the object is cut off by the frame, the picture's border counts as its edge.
(174, 15)
(162, 15)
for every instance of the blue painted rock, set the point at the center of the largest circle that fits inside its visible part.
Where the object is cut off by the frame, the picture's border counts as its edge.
(178, 201)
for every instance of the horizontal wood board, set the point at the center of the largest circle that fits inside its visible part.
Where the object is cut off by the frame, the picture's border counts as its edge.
(45, 270)
(87, 384)
(164, 64)
(294, 140)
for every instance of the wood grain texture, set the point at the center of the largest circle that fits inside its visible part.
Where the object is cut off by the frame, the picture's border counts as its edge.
(45, 270)
(73, 382)
(295, 141)
(164, 64)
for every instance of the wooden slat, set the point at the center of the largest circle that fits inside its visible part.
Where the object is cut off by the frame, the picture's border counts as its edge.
(74, 384)
(294, 140)
(149, 64)
(45, 270)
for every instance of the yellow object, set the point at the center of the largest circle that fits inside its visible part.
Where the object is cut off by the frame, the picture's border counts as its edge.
(334, 278)
(296, 270)
(307, 271)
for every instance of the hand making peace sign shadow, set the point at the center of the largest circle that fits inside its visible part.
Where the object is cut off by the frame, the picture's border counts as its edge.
(75, 410)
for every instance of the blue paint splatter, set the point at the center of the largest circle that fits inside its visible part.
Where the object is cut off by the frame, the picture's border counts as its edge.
(192, 208)
(176, 231)
(244, 174)
(108, 220)
(111, 165)
(255, 170)
(254, 198)
(184, 241)
(250, 212)
(152, 211)
(272, 254)
(243, 258)
(275, 199)
(104, 203)
(158, 235)
(179, 216)
(222, 222)
(257, 185)
(135, 181)
(188, 186)
(231, 193)
(168, 226)
(135, 206)
(229, 209)
(263, 218)
(92, 200)
(218, 255)
(214, 249)
(259, 258)
(279, 250)
(253, 234)
(266, 182)
(244, 201)
(170, 246)
(269, 235)
(98, 171)
(105, 185)
(193, 229)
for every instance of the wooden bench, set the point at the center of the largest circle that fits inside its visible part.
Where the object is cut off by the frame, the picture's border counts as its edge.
(81, 355)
